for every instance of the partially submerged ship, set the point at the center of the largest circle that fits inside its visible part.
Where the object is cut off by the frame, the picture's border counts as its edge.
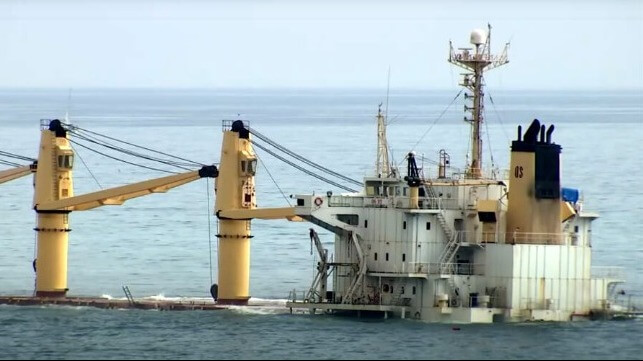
(464, 247)
(461, 247)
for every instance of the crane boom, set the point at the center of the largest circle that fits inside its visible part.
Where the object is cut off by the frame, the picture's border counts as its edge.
(118, 195)
(15, 173)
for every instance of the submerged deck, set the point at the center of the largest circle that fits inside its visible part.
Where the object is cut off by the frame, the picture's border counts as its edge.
(105, 303)
(338, 307)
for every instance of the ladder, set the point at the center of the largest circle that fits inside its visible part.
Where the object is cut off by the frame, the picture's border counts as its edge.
(445, 226)
(128, 294)
(431, 196)
(455, 300)
(450, 250)
(317, 290)
(361, 261)
(453, 243)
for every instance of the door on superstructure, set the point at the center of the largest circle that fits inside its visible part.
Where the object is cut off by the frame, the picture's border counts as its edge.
(458, 227)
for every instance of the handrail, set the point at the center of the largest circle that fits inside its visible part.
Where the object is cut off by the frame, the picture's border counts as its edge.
(392, 202)
(468, 269)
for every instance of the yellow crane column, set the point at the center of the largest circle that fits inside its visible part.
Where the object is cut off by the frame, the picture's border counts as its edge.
(54, 199)
(235, 190)
(53, 182)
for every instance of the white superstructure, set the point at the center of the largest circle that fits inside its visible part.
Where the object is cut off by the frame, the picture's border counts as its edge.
(461, 247)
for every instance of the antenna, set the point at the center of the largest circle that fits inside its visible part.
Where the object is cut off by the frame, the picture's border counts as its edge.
(476, 62)
(388, 88)
(68, 106)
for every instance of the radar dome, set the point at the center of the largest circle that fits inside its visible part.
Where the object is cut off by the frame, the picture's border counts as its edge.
(478, 37)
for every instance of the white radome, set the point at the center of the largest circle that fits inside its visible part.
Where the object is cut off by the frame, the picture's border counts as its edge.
(478, 37)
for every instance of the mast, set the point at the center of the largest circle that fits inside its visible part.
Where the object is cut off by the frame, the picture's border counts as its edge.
(382, 167)
(476, 64)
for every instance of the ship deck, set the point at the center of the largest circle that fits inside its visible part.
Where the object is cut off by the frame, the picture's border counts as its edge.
(338, 307)
(105, 303)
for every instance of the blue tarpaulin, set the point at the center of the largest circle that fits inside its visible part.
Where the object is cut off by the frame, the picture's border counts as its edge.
(570, 195)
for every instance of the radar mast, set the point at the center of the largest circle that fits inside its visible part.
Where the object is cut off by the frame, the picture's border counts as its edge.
(476, 62)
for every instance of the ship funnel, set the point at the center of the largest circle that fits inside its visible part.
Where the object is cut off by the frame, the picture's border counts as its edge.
(531, 135)
(549, 132)
(534, 207)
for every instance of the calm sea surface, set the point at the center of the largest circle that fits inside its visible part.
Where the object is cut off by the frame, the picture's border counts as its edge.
(159, 245)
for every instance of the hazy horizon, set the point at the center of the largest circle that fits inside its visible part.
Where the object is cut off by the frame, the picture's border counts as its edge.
(283, 44)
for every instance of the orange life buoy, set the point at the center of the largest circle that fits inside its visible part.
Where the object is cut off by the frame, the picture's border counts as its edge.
(318, 201)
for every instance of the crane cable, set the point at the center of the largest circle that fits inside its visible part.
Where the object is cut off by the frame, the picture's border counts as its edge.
(9, 163)
(15, 156)
(132, 153)
(273, 180)
(82, 137)
(86, 167)
(438, 119)
(433, 124)
(121, 160)
(322, 178)
(303, 159)
(74, 128)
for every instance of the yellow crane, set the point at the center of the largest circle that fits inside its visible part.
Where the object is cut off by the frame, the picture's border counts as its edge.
(235, 207)
(54, 200)
(17, 172)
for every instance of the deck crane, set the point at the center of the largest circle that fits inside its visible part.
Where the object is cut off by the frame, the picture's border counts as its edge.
(54, 200)
(17, 172)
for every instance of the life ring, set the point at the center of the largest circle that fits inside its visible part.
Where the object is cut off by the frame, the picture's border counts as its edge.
(318, 201)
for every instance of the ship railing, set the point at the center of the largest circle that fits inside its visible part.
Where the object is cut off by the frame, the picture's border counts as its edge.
(565, 238)
(467, 55)
(627, 303)
(391, 202)
(416, 267)
(467, 269)
(478, 300)
(538, 238)
(615, 273)
(539, 304)
(495, 173)
(226, 124)
(44, 124)
(293, 296)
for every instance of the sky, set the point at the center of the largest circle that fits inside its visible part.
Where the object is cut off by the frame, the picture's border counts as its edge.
(567, 45)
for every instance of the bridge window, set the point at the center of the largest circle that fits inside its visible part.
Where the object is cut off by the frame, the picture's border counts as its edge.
(403, 257)
(386, 256)
(366, 223)
(428, 226)
(252, 167)
(404, 225)
(66, 161)
(249, 167)
(376, 256)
